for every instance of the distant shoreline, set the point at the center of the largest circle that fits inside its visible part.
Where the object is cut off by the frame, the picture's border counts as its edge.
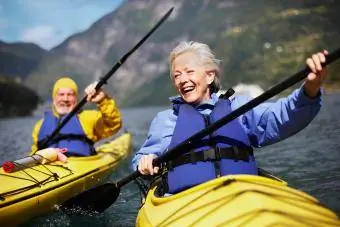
(332, 92)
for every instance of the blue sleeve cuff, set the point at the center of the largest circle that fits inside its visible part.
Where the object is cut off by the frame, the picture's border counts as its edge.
(302, 97)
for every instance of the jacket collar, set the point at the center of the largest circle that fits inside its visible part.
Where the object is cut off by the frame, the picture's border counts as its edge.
(208, 104)
(178, 100)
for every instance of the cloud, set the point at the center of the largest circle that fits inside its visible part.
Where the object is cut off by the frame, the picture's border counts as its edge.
(45, 35)
(61, 19)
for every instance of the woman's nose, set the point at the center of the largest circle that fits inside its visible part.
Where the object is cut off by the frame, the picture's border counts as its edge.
(184, 78)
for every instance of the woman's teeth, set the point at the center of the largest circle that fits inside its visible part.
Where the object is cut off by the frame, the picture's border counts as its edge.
(188, 89)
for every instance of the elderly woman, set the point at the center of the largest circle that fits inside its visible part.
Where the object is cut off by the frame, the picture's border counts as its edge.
(195, 74)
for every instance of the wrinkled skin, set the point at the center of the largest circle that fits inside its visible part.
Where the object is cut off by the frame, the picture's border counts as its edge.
(191, 78)
(65, 99)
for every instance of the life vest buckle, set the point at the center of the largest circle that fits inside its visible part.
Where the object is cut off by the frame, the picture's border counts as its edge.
(210, 155)
(237, 154)
(241, 154)
(193, 157)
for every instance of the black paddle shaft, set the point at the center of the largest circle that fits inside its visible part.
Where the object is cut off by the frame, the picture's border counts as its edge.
(100, 198)
(187, 144)
(105, 78)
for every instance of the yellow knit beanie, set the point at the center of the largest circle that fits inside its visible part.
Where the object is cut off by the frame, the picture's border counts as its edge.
(64, 82)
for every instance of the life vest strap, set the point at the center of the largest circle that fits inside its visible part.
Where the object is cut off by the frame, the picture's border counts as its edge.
(235, 153)
(64, 137)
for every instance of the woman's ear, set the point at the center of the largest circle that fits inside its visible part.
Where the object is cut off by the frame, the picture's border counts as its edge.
(211, 76)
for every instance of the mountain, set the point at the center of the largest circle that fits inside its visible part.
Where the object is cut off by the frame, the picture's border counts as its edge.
(16, 99)
(19, 59)
(258, 42)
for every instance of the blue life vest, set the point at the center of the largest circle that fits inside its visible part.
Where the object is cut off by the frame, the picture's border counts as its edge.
(71, 136)
(231, 135)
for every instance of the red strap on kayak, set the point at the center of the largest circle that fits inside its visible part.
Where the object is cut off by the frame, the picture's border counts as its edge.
(8, 167)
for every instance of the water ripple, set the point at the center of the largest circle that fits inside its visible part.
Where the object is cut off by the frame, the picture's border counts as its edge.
(309, 161)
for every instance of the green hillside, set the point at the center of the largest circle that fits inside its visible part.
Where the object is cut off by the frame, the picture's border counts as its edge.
(17, 61)
(16, 99)
(258, 42)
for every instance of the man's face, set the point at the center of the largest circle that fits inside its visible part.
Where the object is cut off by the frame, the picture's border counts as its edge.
(64, 101)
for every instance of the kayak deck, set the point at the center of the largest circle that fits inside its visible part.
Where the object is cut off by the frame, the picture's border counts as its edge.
(39, 189)
(236, 200)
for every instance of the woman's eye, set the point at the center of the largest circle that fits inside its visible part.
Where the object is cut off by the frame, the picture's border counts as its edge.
(190, 71)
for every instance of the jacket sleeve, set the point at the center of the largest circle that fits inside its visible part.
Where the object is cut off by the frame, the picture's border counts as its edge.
(101, 123)
(35, 134)
(269, 123)
(158, 138)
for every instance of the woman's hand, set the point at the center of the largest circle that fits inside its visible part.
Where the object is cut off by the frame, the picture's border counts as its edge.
(318, 74)
(145, 166)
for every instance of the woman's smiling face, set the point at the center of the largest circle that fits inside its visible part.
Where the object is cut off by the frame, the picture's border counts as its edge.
(191, 78)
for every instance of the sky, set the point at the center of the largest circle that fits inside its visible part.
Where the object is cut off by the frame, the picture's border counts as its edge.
(49, 22)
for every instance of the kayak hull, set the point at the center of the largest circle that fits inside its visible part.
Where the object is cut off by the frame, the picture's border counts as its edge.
(38, 190)
(236, 200)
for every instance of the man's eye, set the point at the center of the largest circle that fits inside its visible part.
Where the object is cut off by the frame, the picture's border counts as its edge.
(190, 71)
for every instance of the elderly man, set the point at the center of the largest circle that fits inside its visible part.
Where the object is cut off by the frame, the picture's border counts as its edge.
(83, 129)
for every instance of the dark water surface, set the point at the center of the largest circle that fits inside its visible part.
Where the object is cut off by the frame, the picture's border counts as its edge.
(309, 161)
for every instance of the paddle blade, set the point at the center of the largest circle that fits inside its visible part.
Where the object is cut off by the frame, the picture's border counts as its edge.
(95, 200)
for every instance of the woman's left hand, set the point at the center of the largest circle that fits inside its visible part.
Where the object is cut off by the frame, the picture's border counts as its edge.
(317, 75)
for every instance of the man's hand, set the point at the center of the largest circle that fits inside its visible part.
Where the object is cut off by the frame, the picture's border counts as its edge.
(93, 95)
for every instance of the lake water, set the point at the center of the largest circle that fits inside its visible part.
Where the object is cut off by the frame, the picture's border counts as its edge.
(309, 161)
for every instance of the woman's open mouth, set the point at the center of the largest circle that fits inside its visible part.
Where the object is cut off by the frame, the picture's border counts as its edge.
(187, 89)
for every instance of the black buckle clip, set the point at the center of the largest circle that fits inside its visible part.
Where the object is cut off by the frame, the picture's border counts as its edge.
(193, 157)
(236, 152)
(230, 92)
(210, 155)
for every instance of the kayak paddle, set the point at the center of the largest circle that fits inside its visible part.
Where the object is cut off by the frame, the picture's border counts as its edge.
(104, 79)
(100, 198)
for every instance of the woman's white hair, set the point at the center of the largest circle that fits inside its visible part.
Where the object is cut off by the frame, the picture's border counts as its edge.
(206, 55)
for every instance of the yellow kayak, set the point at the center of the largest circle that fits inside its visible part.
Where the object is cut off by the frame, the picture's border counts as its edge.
(236, 200)
(33, 191)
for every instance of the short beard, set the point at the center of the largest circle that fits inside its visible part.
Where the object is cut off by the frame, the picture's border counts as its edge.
(61, 110)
